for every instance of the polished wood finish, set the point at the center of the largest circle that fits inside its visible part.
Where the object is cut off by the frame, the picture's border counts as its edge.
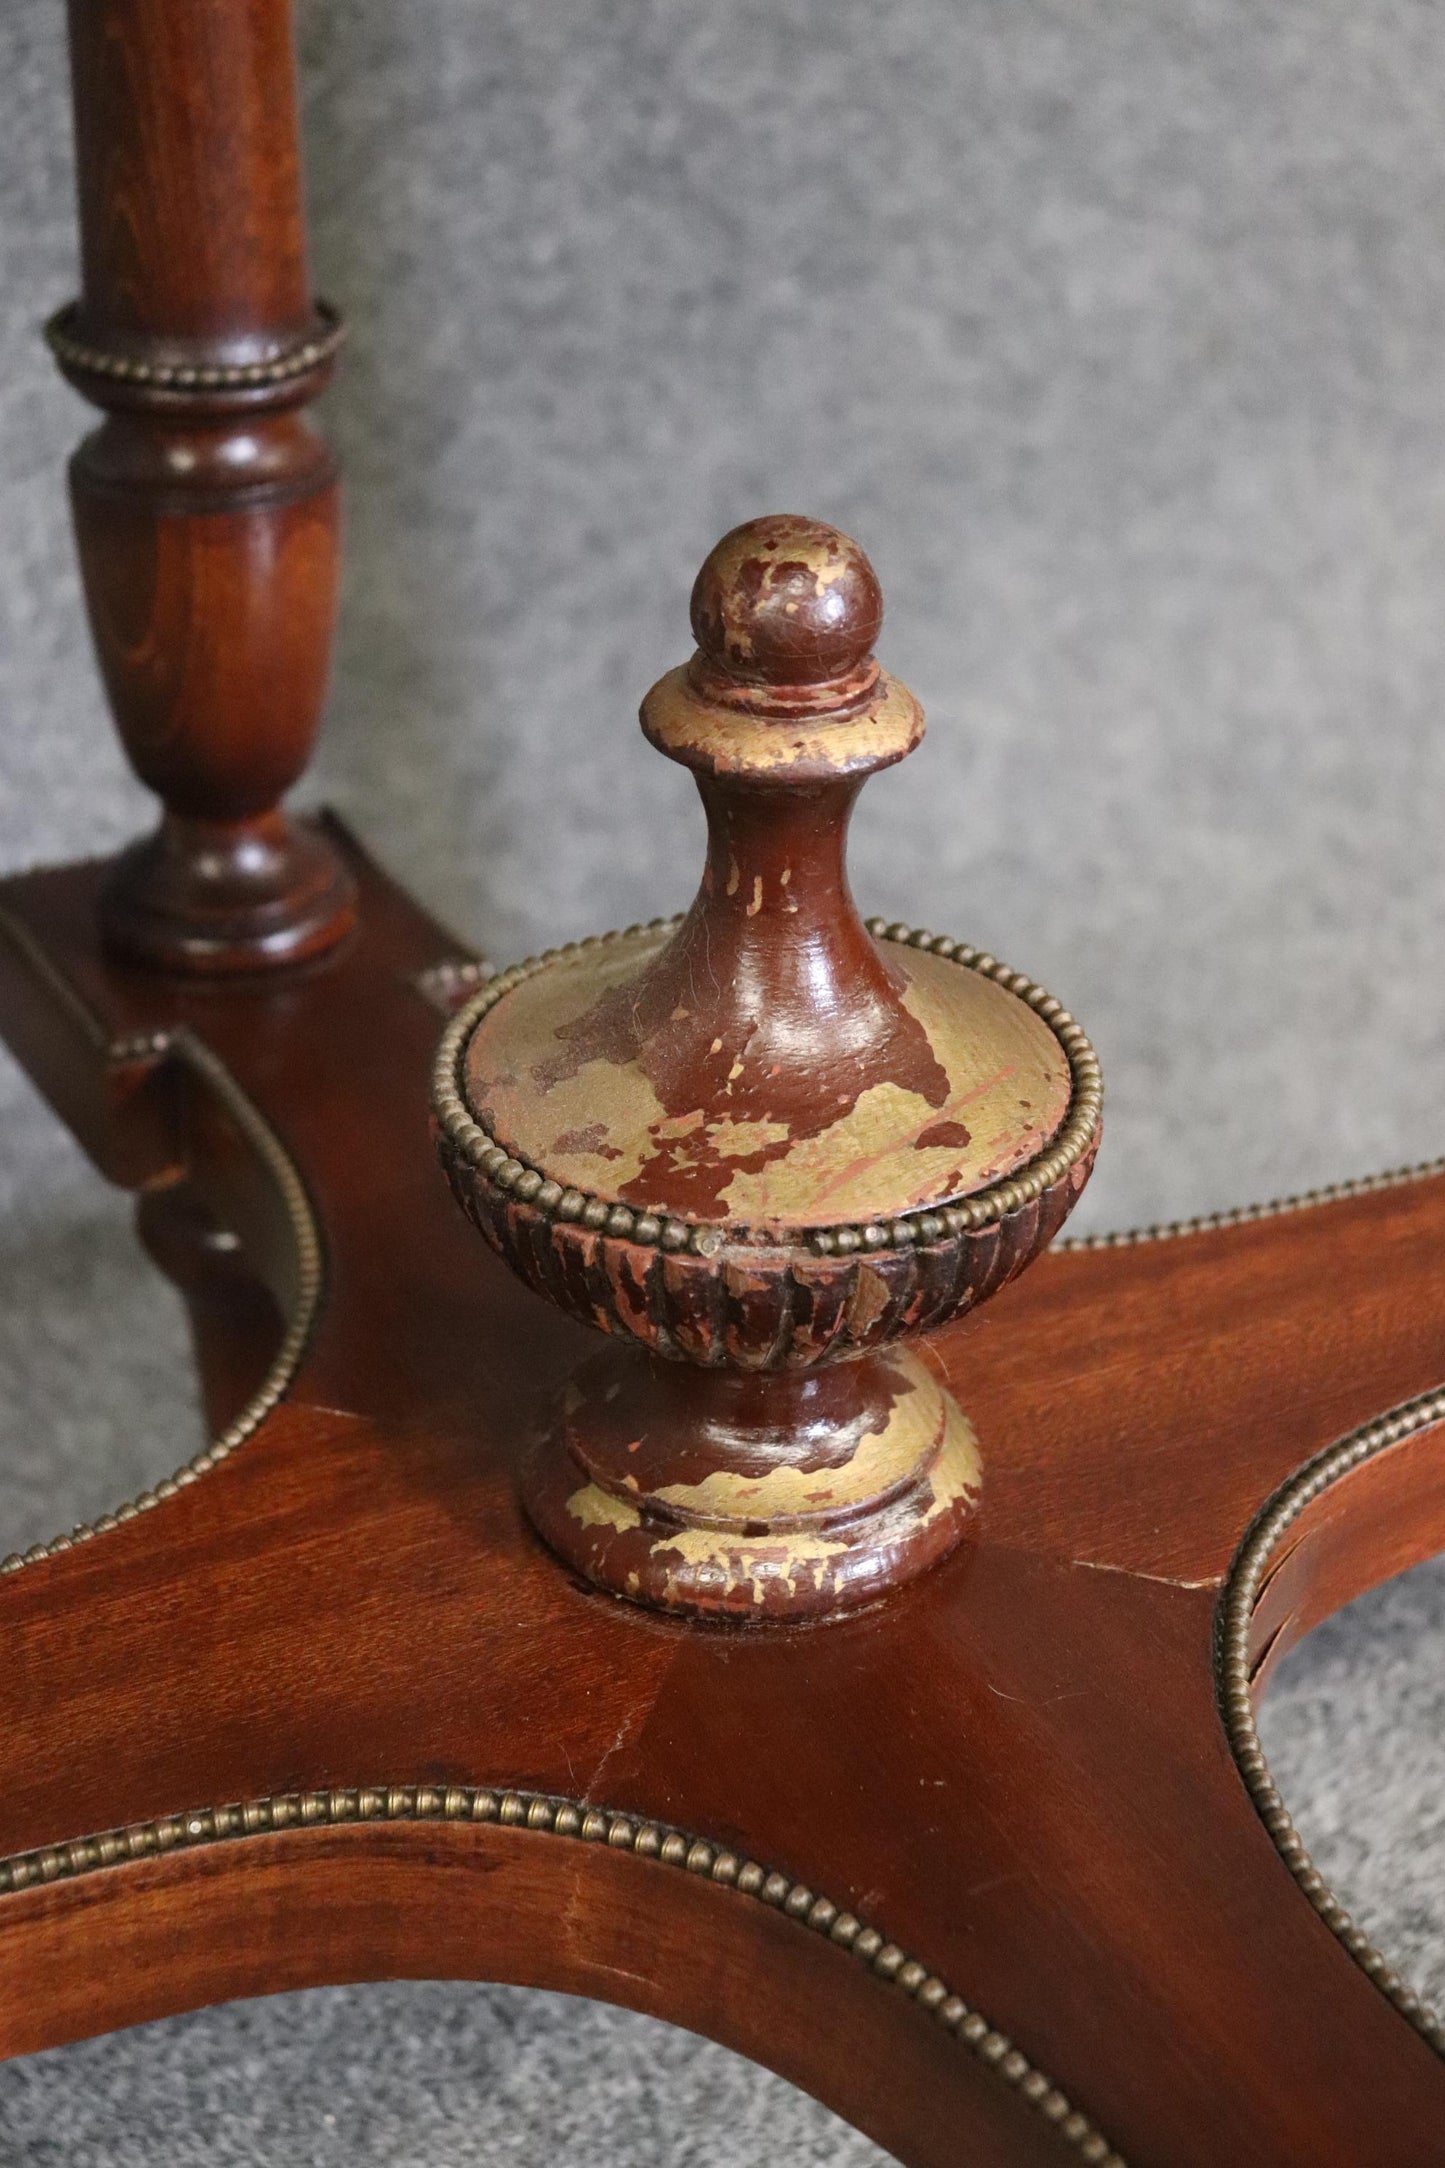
(206, 505)
(323, 1707)
(1015, 1767)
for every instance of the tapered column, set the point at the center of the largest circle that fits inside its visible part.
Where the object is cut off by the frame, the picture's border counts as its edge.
(206, 506)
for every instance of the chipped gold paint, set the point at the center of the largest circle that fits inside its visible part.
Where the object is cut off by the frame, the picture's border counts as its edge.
(870, 1298)
(729, 741)
(617, 1105)
(1008, 1086)
(927, 1437)
(884, 1461)
(771, 557)
(826, 1533)
(593, 1507)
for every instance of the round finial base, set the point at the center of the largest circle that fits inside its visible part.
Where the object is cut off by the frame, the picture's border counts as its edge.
(734, 1496)
(212, 898)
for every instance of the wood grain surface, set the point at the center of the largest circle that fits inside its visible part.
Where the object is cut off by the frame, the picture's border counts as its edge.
(1015, 1769)
(205, 506)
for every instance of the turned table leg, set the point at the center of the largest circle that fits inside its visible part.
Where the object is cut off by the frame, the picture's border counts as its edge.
(206, 506)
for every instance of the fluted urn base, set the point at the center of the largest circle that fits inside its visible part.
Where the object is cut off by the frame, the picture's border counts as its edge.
(729, 1495)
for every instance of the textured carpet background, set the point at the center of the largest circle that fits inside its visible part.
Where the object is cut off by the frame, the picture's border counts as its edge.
(1118, 337)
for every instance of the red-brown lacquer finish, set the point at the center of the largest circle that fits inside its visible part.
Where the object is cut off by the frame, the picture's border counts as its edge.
(975, 1863)
(990, 1861)
(205, 506)
(763, 1141)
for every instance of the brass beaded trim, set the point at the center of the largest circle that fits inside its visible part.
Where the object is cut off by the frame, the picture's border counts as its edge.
(120, 368)
(548, 1815)
(445, 985)
(1238, 1597)
(534, 1186)
(182, 1045)
(570, 1818)
(1244, 1215)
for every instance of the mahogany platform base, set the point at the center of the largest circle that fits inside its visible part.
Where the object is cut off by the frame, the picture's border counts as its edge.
(993, 1867)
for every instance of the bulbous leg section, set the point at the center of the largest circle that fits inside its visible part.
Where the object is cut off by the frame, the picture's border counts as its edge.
(722, 1495)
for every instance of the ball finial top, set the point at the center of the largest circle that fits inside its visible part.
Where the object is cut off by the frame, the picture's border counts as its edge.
(786, 601)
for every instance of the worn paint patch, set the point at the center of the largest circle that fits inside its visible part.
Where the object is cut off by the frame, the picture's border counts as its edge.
(883, 1459)
(566, 1074)
(928, 1458)
(710, 1499)
(722, 741)
(950, 1134)
(593, 1507)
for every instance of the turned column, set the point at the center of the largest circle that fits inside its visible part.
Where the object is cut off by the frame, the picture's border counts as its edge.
(206, 505)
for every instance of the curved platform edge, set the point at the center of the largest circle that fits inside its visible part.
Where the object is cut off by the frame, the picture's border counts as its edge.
(1269, 1600)
(1248, 1215)
(71, 1927)
(302, 1271)
(296, 1877)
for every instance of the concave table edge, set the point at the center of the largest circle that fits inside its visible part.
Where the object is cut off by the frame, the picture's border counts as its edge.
(1149, 1547)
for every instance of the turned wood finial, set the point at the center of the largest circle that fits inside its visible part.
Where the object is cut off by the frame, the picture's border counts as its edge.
(784, 687)
(784, 601)
(765, 1138)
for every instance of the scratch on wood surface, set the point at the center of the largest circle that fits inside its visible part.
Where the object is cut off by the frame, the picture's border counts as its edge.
(1136, 1573)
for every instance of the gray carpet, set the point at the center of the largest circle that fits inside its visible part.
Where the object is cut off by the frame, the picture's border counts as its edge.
(1118, 337)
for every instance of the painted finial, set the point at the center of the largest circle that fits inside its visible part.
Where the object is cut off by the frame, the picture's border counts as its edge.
(786, 601)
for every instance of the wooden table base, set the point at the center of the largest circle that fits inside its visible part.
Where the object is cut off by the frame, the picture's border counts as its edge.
(979, 1867)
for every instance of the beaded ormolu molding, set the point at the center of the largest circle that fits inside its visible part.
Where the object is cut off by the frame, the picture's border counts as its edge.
(534, 1186)
(547, 1814)
(446, 985)
(1237, 1600)
(1245, 1215)
(118, 368)
(1238, 1597)
(182, 1045)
